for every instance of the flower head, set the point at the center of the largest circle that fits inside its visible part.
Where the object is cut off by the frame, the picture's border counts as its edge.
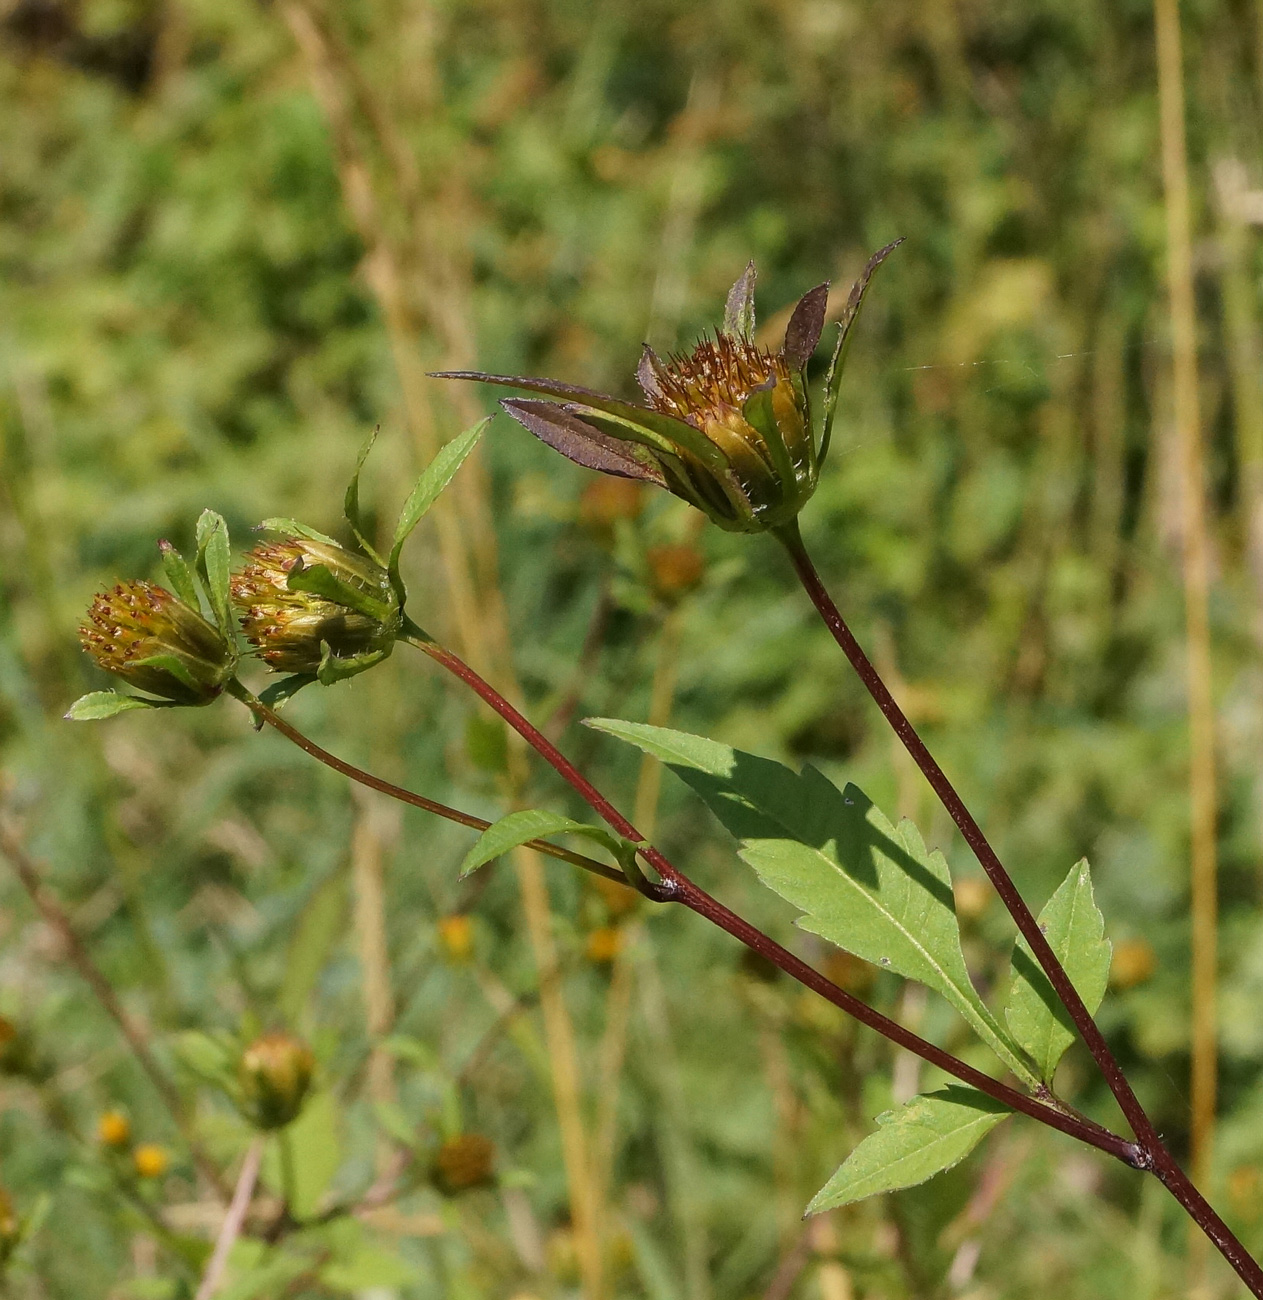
(463, 1163)
(275, 1074)
(727, 426)
(156, 643)
(315, 607)
(151, 1160)
(113, 1129)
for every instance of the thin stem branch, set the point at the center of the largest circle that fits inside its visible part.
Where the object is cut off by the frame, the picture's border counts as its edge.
(972, 832)
(308, 746)
(53, 912)
(676, 887)
(1148, 1150)
(233, 1220)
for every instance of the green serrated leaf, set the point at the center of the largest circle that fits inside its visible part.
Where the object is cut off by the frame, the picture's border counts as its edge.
(105, 704)
(928, 1135)
(214, 566)
(334, 669)
(351, 503)
(860, 882)
(1075, 929)
(436, 476)
(529, 824)
(279, 524)
(179, 575)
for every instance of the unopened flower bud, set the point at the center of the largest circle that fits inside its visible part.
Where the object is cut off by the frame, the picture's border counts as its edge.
(156, 643)
(463, 1163)
(151, 1160)
(275, 1076)
(315, 607)
(113, 1129)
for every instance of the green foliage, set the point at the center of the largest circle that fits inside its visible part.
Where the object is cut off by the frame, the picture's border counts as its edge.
(531, 824)
(1075, 930)
(861, 883)
(922, 1138)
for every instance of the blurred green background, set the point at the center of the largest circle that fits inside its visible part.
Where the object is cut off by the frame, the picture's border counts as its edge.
(233, 237)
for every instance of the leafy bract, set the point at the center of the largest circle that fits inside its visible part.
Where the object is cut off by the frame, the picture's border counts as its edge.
(214, 564)
(105, 704)
(529, 824)
(918, 1140)
(179, 575)
(1075, 929)
(434, 478)
(351, 502)
(860, 882)
(279, 524)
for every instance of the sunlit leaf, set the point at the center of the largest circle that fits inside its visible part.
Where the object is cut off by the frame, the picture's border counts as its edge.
(1075, 929)
(860, 882)
(529, 824)
(913, 1143)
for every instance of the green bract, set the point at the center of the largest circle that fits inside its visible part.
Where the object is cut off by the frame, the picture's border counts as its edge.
(728, 428)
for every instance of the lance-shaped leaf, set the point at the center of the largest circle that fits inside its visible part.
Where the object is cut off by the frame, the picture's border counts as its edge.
(739, 309)
(351, 502)
(337, 668)
(860, 882)
(805, 326)
(846, 324)
(1075, 929)
(579, 441)
(434, 478)
(214, 564)
(913, 1143)
(530, 824)
(105, 704)
(179, 575)
(279, 524)
(653, 428)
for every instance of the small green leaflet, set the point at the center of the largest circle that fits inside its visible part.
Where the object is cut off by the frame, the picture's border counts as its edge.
(922, 1138)
(1075, 929)
(279, 524)
(529, 824)
(179, 575)
(861, 883)
(105, 704)
(435, 477)
(214, 564)
(351, 503)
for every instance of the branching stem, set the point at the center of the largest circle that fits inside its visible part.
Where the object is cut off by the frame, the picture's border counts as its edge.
(308, 746)
(1154, 1154)
(675, 887)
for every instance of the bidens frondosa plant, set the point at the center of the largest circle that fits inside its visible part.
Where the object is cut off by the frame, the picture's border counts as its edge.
(728, 427)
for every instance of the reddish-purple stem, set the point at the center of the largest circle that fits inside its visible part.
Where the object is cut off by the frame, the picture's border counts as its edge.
(1154, 1154)
(676, 887)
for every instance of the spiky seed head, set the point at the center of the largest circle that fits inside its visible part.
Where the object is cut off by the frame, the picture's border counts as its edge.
(155, 642)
